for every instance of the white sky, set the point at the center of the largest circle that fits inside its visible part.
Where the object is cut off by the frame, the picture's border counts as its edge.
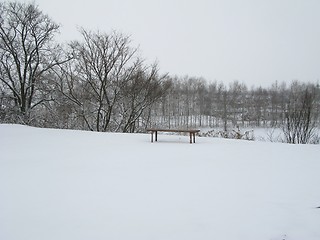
(254, 41)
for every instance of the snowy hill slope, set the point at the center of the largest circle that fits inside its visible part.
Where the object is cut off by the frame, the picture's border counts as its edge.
(63, 184)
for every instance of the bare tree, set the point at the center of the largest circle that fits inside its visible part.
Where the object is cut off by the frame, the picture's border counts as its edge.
(237, 93)
(103, 62)
(223, 102)
(144, 88)
(27, 53)
(300, 121)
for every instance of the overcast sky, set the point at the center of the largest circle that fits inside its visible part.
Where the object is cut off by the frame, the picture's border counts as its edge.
(254, 41)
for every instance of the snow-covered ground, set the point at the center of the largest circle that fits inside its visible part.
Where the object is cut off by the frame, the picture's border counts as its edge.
(74, 185)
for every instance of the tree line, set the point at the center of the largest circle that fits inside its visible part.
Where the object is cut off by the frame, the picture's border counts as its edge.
(101, 83)
(195, 102)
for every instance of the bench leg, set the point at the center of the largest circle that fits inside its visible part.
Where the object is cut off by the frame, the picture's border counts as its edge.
(151, 136)
(190, 137)
(156, 136)
(194, 137)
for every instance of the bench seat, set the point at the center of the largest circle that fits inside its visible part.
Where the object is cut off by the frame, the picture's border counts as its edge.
(192, 132)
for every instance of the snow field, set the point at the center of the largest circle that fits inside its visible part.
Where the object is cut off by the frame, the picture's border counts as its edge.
(63, 184)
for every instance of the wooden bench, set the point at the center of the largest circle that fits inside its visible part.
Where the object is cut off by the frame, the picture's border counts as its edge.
(192, 133)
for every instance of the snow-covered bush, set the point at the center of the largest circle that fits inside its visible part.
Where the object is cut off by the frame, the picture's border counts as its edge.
(233, 134)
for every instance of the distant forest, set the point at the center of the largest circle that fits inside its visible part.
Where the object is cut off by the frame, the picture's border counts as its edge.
(101, 83)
